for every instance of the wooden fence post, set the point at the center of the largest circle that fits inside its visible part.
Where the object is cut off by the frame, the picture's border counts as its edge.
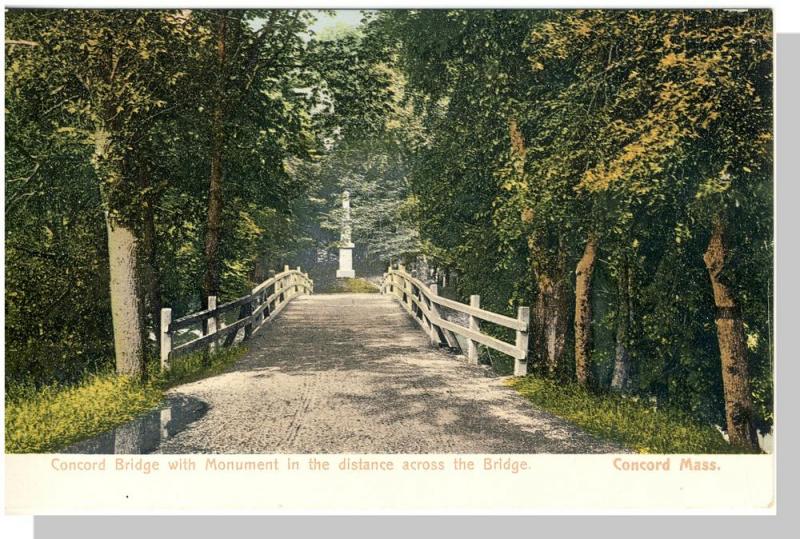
(297, 281)
(250, 308)
(212, 323)
(434, 312)
(166, 337)
(521, 364)
(447, 336)
(474, 325)
(285, 282)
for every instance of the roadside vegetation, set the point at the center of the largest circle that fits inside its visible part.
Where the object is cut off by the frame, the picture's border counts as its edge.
(49, 418)
(634, 423)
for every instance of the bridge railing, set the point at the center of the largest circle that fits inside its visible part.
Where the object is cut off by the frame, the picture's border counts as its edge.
(423, 303)
(261, 305)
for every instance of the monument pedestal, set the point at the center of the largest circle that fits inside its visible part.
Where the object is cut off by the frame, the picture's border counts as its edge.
(346, 262)
(346, 245)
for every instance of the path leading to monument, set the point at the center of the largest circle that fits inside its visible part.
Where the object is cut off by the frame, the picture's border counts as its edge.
(352, 373)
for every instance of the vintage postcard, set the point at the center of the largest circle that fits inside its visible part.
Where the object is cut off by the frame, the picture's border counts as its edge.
(389, 260)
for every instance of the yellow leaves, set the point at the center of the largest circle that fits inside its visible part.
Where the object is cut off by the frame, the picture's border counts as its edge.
(714, 184)
(583, 28)
(672, 60)
(752, 341)
(527, 216)
(631, 152)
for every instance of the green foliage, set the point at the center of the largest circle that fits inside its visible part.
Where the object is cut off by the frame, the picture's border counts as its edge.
(353, 286)
(634, 423)
(52, 417)
(492, 143)
(192, 367)
(640, 127)
(111, 111)
(46, 419)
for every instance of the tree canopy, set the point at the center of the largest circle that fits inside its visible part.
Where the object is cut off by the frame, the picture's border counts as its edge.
(611, 169)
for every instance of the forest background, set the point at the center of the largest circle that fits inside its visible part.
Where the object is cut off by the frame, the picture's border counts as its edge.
(611, 169)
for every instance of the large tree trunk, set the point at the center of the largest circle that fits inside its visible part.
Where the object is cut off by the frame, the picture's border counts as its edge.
(732, 347)
(211, 279)
(622, 361)
(123, 261)
(125, 303)
(551, 322)
(583, 310)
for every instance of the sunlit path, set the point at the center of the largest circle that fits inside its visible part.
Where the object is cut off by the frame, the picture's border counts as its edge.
(354, 373)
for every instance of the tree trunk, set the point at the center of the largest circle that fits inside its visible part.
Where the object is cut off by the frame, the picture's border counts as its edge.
(125, 303)
(152, 274)
(732, 347)
(123, 262)
(551, 314)
(211, 279)
(583, 310)
(622, 363)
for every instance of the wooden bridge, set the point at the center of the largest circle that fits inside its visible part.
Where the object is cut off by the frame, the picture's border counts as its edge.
(353, 373)
(421, 301)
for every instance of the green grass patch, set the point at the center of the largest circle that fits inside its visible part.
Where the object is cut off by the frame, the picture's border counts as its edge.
(50, 418)
(194, 367)
(356, 285)
(632, 423)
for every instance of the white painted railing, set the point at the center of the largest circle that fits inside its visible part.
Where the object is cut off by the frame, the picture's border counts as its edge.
(262, 304)
(423, 302)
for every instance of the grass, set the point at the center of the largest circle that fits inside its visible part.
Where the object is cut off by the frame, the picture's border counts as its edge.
(356, 285)
(50, 418)
(634, 424)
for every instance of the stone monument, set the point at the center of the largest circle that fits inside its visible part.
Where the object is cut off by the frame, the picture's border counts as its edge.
(345, 244)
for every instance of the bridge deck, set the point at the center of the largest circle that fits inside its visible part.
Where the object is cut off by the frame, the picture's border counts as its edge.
(352, 373)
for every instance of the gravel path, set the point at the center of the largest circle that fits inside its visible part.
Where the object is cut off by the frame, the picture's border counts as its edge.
(353, 373)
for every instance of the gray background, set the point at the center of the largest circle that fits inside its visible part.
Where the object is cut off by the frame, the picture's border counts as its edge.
(787, 227)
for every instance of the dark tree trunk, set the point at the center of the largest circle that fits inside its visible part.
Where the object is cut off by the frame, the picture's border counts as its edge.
(151, 274)
(622, 361)
(551, 319)
(211, 279)
(732, 347)
(583, 311)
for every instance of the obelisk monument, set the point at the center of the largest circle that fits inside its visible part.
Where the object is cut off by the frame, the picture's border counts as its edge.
(345, 244)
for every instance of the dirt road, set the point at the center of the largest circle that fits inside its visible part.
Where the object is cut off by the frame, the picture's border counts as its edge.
(352, 373)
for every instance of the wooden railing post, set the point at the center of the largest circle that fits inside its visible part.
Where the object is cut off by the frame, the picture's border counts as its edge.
(250, 308)
(285, 285)
(474, 324)
(447, 336)
(521, 363)
(212, 323)
(434, 312)
(166, 337)
(258, 300)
